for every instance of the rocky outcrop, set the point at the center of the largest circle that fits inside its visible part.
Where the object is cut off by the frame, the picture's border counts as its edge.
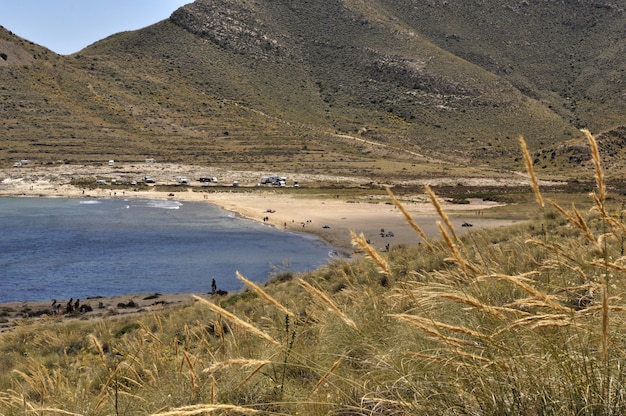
(231, 25)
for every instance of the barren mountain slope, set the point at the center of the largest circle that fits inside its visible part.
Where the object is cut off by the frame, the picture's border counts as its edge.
(318, 86)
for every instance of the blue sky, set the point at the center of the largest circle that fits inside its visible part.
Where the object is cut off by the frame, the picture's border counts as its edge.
(67, 26)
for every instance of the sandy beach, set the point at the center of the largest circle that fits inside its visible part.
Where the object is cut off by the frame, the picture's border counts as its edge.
(328, 218)
(331, 219)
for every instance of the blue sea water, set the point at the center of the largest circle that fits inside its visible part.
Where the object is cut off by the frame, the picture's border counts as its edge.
(57, 248)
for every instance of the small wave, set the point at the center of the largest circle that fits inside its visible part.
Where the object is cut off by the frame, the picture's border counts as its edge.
(90, 202)
(158, 203)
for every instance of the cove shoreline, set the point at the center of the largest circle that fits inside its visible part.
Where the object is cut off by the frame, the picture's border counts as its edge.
(330, 220)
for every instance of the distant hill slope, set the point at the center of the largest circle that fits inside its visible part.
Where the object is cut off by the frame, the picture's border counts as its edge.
(570, 55)
(307, 85)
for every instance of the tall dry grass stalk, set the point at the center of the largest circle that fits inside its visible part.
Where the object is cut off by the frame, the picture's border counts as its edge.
(149, 332)
(531, 171)
(433, 330)
(600, 199)
(597, 163)
(602, 245)
(465, 265)
(612, 266)
(440, 211)
(318, 294)
(538, 321)
(330, 371)
(523, 282)
(98, 346)
(187, 358)
(453, 248)
(571, 218)
(605, 326)
(361, 242)
(235, 362)
(577, 219)
(475, 303)
(409, 219)
(264, 295)
(262, 363)
(213, 389)
(237, 321)
(437, 326)
(198, 409)
(580, 221)
(564, 253)
(53, 410)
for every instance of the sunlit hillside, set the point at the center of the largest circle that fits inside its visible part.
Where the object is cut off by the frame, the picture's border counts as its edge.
(317, 86)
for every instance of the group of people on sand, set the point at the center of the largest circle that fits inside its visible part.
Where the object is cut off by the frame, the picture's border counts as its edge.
(71, 306)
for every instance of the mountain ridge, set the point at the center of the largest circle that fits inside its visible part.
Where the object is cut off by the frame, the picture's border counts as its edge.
(239, 82)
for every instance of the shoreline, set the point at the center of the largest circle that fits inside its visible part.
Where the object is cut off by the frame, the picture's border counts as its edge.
(13, 314)
(331, 220)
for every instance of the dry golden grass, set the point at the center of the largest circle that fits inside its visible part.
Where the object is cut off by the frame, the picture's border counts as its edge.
(531, 171)
(207, 408)
(361, 242)
(264, 295)
(440, 211)
(325, 300)
(237, 321)
(409, 219)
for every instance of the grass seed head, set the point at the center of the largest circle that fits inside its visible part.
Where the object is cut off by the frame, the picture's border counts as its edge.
(264, 295)
(328, 302)
(531, 172)
(234, 319)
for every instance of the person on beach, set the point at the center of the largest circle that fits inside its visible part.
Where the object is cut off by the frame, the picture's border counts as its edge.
(56, 308)
(213, 286)
(70, 306)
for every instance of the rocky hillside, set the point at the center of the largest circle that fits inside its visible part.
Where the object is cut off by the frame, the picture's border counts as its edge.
(340, 85)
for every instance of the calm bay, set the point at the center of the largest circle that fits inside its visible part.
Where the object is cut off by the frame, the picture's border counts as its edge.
(58, 248)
